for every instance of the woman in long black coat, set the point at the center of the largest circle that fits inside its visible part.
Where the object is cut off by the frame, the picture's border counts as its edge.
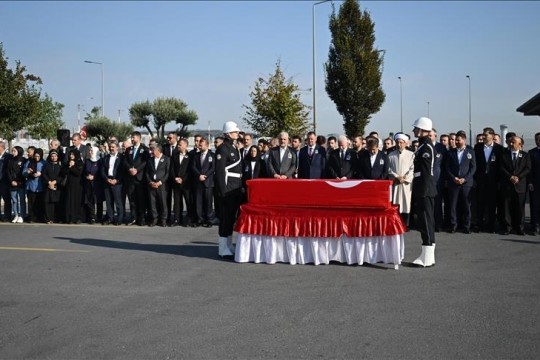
(73, 189)
(251, 169)
(93, 187)
(51, 180)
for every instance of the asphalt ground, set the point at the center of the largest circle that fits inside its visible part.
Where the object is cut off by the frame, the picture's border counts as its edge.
(104, 292)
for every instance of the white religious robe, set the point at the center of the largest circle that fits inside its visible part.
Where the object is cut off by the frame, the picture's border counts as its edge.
(401, 164)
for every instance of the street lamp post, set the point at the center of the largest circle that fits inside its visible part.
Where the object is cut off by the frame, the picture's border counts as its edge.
(470, 122)
(102, 92)
(79, 107)
(428, 109)
(401, 100)
(314, 92)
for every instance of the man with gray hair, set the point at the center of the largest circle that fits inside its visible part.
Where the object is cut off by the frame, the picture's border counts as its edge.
(342, 161)
(282, 159)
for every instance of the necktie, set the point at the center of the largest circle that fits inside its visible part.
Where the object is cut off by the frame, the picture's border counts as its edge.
(310, 152)
(342, 154)
(203, 155)
(514, 159)
(135, 148)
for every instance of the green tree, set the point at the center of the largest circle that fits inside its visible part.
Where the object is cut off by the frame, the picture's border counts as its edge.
(48, 119)
(354, 67)
(101, 128)
(276, 106)
(19, 97)
(159, 113)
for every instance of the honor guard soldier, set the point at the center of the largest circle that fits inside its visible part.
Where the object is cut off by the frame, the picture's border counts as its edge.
(228, 173)
(425, 190)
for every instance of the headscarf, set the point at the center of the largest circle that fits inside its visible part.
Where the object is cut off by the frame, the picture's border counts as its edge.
(249, 157)
(95, 154)
(20, 152)
(51, 152)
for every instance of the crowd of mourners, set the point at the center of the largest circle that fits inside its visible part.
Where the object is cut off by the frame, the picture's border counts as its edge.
(480, 187)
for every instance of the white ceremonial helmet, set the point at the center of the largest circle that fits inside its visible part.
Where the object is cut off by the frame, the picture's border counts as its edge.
(229, 127)
(423, 123)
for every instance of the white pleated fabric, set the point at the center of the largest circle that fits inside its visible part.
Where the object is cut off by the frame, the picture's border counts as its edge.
(306, 250)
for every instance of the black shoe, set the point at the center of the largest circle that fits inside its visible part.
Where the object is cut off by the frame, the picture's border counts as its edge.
(452, 230)
(519, 232)
(153, 223)
(163, 224)
(207, 225)
(106, 222)
(505, 232)
(466, 231)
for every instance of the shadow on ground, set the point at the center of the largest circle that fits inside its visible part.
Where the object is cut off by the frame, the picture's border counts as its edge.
(205, 250)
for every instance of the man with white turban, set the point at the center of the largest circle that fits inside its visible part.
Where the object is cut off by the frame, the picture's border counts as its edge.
(401, 171)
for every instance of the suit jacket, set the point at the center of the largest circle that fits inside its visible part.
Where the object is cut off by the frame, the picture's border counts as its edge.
(534, 175)
(338, 168)
(521, 169)
(161, 173)
(438, 166)
(136, 160)
(118, 170)
(487, 171)
(169, 150)
(4, 160)
(467, 168)
(249, 172)
(286, 167)
(311, 167)
(379, 170)
(208, 168)
(180, 169)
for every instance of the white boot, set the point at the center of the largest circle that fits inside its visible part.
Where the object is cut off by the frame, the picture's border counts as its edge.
(223, 248)
(425, 258)
(433, 253)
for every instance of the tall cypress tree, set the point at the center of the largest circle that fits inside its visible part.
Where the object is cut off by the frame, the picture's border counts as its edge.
(354, 67)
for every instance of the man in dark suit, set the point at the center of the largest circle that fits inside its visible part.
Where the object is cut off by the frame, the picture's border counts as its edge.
(191, 210)
(372, 164)
(442, 199)
(203, 171)
(282, 159)
(180, 181)
(488, 156)
(459, 166)
(515, 167)
(135, 160)
(534, 185)
(112, 174)
(169, 150)
(157, 174)
(77, 142)
(311, 159)
(341, 161)
(5, 194)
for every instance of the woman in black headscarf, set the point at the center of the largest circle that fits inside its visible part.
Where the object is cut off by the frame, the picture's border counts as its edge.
(51, 180)
(73, 189)
(17, 184)
(251, 169)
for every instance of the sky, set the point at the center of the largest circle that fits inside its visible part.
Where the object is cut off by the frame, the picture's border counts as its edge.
(210, 54)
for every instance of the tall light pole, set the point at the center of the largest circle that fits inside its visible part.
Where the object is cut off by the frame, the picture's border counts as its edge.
(119, 111)
(79, 107)
(314, 92)
(102, 93)
(401, 100)
(428, 109)
(470, 122)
